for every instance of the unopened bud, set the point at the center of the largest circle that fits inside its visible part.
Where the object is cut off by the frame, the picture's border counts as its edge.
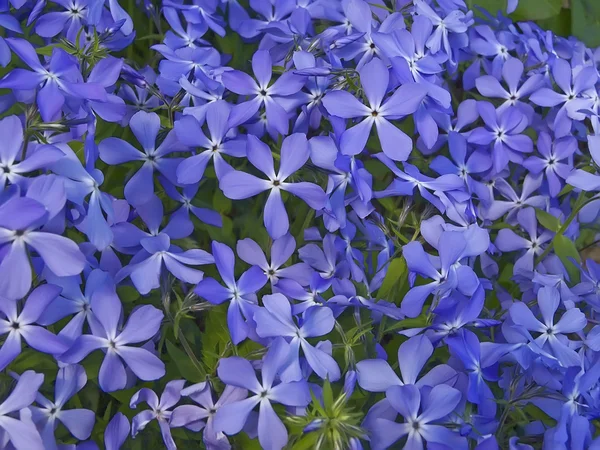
(132, 76)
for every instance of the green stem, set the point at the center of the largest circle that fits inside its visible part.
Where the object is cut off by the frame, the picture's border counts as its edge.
(185, 344)
(580, 202)
(130, 7)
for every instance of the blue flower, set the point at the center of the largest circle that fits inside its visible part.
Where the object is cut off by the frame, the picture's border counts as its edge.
(241, 294)
(404, 101)
(59, 82)
(276, 319)
(22, 432)
(236, 371)
(145, 126)
(239, 185)
(142, 325)
(69, 381)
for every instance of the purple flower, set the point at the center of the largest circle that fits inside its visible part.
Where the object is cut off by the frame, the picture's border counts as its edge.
(116, 432)
(69, 381)
(311, 297)
(159, 410)
(447, 273)
(145, 127)
(362, 32)
(376, 375)
(551, 335)
(13, 164)
(139, 96)
(21, 432)
(22, 325)
(10, 23)
(203, 417)
(311, 114)
(555, 160)
(50, 24)
(181, 64)
(241, 294)
(236, 371)
(106, 73)
(62, 80)
(282, 250)
(73, 301)
(514, 202)
(467, 348)
(404, 101)
(484, 41)
(344, 172)
(276, 319)
(329, 261)
(142, 325)
(503, 132)
(186, 197)
(454, 22)
(409, 179)
(410, 46)
(250, 27)
(512, 72)
(573, 86)
(465, 312)
(178, 37)
(271, 96)
(464, 165)
(157, 253)
(589, 287)
(189, 132)
(239, 185)
(79, 184)
(508, 241)
(582, 179)
(128, 236)
(203, 16)
(421, 410)
(20, 217)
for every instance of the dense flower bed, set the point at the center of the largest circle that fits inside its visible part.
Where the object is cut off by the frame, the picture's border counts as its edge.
(296, 224)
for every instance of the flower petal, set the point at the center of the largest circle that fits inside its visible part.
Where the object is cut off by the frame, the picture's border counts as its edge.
(145, 365)
(275, 216)
(142, 324)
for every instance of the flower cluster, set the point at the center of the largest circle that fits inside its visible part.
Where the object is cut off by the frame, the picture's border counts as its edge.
(329, 224)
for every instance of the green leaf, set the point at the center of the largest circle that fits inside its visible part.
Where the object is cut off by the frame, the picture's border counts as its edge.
(47, 50)
(124, 395)
(547, 220)
(537, 414)
(565, 249)
(317, 404)
(559, 24)
(388, 203)
(128, 294)
(568, 188)
(30, 358)
(327, 395)
(537, 9)
(396, 272)
(186, 369)
(492, 6)
(417, 322)
(215, 337)
(585, 21)
(156, 37)
(244, 441)
(307, 442)
(221, 203)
